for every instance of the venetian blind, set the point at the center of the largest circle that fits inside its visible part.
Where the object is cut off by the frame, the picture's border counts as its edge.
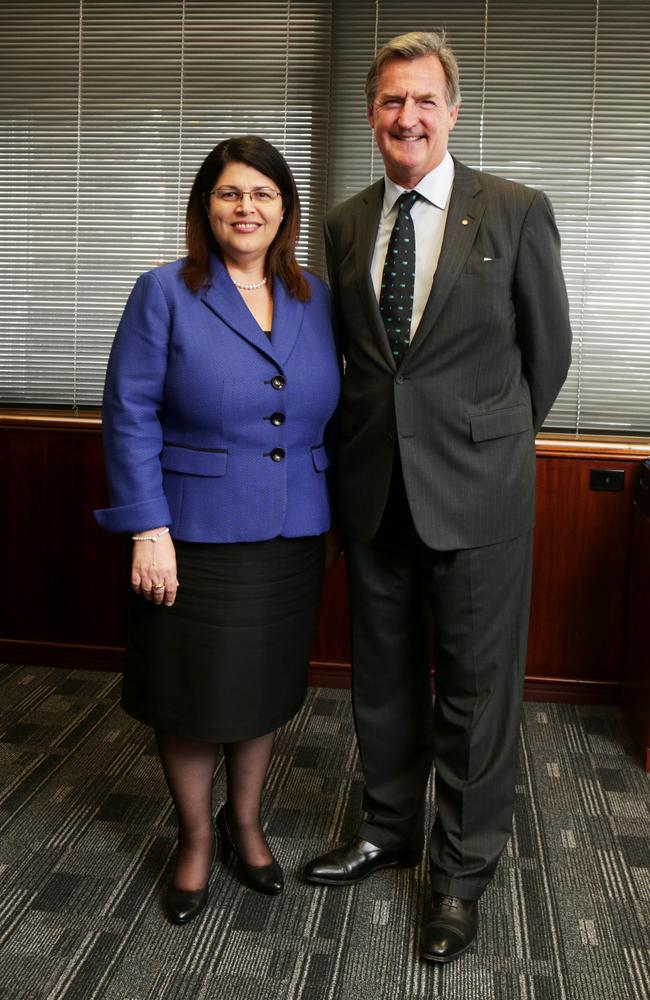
(107, 108)
(555, 95)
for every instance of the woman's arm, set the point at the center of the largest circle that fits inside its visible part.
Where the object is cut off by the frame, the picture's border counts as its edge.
(132, 435)
(133, 400)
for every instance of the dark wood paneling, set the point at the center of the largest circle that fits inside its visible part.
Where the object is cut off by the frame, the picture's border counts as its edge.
(70, 655)
(331, 652)
(63, 581)
(581, 556)
(636, 673)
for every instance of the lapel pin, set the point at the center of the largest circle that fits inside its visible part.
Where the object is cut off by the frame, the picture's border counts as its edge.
(465, 222)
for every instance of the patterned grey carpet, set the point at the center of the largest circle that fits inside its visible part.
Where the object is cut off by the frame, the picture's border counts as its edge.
(87, 838)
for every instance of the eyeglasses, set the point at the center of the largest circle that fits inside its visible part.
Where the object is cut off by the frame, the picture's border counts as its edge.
(257, 195)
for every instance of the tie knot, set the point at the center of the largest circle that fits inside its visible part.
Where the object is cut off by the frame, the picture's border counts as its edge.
(407, 200)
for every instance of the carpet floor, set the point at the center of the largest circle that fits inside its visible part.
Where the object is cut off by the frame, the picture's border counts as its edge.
(87, 840)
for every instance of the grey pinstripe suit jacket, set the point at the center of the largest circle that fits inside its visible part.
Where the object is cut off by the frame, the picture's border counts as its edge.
(485, 365)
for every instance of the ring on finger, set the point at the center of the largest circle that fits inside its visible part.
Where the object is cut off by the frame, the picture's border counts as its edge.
(158, 586)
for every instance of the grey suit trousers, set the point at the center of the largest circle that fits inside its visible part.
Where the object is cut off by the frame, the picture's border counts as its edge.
(478, 600)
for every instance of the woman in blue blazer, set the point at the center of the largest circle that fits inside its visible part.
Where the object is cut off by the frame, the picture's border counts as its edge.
(221, 383)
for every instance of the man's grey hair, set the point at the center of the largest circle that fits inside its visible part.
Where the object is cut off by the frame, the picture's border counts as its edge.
(414, 45)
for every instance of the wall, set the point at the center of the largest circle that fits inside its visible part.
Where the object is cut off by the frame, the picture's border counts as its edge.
(63, 581)
(635, 699)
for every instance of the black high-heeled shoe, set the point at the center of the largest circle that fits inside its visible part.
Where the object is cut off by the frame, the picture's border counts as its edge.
(184, 905)
(262, 878)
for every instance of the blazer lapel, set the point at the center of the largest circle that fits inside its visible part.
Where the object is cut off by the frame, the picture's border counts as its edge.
(288, 315)
(463, 219)
(365, 234)
(222, 297)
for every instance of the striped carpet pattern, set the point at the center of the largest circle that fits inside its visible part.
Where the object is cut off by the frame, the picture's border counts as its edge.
(87, 840)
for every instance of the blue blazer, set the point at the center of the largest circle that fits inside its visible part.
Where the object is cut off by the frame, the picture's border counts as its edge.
(208, 426)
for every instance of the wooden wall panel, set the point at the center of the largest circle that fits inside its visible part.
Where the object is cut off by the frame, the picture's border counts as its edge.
(330, 663)
(63, 581)
(580, 568)
(636, 670)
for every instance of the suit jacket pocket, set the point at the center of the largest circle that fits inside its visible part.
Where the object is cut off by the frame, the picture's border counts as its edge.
(319, 458)
(193, 462)
(500, 423)
(490, 266)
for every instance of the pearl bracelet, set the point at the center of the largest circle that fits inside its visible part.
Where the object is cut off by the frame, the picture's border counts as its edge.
(149, 538)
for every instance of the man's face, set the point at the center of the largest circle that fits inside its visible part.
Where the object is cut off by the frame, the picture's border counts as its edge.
(411, 118)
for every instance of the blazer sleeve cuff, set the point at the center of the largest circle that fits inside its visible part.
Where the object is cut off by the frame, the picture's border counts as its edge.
(135, 517)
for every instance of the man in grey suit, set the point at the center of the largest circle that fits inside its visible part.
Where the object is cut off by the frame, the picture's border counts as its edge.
(454, 320)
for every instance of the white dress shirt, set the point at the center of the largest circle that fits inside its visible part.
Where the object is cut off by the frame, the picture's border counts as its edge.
(429, 216)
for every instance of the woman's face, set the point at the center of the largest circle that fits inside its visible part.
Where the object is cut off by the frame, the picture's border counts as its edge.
(246, 225)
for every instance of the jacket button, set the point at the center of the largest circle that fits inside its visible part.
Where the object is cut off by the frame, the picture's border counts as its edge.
(277, 419)
(278, 381)
(390, 437)
(277, 454)
(399, 379)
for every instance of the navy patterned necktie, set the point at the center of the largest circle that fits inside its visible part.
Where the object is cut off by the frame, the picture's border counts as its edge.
(398, 279)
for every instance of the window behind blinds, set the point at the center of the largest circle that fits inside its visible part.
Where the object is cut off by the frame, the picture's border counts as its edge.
(107, 109)
(555, 95)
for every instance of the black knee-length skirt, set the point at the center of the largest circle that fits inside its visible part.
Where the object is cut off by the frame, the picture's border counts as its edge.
(228, 661)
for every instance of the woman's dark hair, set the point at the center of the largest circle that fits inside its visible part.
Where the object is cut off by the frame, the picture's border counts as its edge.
(280, 257)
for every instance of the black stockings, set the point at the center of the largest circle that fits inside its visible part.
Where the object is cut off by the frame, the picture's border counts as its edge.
(189, 770)
(246, 766)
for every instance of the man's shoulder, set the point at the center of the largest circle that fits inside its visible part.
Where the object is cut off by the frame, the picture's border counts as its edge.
(358, 203)
(506, 187)
(495, 186)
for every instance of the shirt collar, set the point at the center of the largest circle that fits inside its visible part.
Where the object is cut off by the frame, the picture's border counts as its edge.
(434, 186)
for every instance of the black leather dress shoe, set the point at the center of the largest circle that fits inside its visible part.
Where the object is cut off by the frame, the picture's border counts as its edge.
(262, 878)
(355, 861)
(450, 928)
(183, 905)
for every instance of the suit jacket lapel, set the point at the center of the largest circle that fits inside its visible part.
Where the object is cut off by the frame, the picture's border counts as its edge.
(288, 315)
(223, 299)
(463, 219)
(365, 234)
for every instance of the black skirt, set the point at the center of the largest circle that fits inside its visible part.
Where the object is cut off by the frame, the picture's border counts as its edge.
(228, 661)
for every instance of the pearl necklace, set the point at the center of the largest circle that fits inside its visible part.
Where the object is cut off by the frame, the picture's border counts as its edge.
(249, 288)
